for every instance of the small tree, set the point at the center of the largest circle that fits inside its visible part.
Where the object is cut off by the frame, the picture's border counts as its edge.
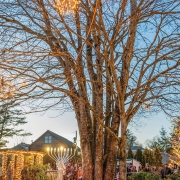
(138, 155)
(10, 120)
(148, 157)
(130, 153)
(157, 157)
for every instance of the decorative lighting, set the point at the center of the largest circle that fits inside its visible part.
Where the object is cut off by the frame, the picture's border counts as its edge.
(66, 6)
(20, 161)
(4, 163)
(7, 88)
(61, 156)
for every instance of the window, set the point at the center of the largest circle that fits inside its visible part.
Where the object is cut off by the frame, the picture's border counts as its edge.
(48, 139)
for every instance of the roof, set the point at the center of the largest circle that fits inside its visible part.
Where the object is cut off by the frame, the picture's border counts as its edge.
(21, 146)
(134, 148)
(60, 138)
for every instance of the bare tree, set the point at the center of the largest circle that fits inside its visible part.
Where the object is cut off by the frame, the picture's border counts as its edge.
(108, 60)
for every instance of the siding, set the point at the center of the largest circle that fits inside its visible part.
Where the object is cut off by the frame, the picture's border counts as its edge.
(40, 145)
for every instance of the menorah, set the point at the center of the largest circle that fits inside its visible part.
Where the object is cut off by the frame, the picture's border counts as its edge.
(61, 156)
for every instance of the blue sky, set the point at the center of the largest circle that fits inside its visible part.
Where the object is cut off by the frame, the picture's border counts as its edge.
(65, 125)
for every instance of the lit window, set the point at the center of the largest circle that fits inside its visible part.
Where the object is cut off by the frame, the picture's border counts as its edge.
(48, 139)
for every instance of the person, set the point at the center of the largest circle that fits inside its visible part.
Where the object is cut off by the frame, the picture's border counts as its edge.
(129, 169)
(165, 171)
(134, 169)
(147, 169)
(69, 172)
(175, 169)
(140, 167)
(75, 171)
(153, 169)
(117, 172)
(9, 172)
(79, 174)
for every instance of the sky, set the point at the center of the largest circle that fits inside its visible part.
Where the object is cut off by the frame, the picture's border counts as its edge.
(65, 125)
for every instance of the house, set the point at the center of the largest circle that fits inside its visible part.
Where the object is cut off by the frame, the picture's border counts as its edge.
(47, 140)
(50, 139)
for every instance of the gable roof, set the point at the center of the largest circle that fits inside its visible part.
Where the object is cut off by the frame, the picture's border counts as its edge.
(60, 138)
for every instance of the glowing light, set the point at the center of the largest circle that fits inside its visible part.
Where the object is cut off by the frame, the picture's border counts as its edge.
(66, 6)
(7, 87)
(19, 161)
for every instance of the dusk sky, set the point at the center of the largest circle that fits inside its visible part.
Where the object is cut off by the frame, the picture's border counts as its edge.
(65, 125)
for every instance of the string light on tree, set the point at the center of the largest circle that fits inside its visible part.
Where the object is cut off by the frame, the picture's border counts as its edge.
(7, 88)
(66, 6)
(175, 143)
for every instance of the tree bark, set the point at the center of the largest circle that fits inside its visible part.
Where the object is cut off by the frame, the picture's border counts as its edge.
(85, 140)
(122, 151)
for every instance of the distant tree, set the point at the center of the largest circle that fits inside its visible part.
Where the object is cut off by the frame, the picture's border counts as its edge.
(10, 120)
(131, 139)
(138, 155)
(157, 157)
(162, 142)
(152, 143)
(148, 157)
(130, 153)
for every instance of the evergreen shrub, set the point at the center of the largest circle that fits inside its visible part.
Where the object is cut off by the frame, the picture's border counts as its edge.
(144, 176)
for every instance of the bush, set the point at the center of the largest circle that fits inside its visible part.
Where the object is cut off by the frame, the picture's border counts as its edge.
(36, 172)
(144, 176)
(174, 176)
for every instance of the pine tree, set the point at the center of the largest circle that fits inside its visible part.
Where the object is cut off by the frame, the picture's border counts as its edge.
(175, 143)
(157, 157)
(10, 120)
(131, 139)
(130, 153)
(163, 141)
(148, 157)
(138, 155)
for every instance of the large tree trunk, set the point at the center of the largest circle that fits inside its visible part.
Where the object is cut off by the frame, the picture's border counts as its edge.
(122, 152)
(112, 151)
(111, 160)
(85, 132)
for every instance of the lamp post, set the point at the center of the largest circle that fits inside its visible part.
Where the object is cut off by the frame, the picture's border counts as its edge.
(61, 156)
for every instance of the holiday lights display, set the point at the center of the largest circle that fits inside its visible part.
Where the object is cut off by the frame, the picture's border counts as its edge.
(4, 163)
(61, 156)
(66, 6)
(20, 165)
(175, 143)
(39, 159)
(13, 162)
(17, 161)
(31, 160)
